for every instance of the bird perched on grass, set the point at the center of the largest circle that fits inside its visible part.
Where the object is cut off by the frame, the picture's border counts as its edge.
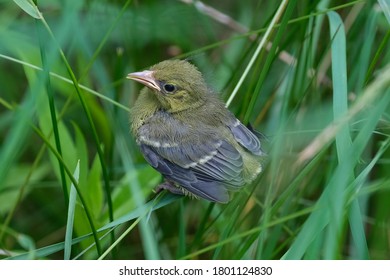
(186, 133)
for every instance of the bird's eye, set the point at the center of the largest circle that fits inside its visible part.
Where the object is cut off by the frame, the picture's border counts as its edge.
(169, 88)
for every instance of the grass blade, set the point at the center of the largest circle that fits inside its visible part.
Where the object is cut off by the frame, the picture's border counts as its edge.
(29, 8)
(385, 6)
(343, 138)
(260, 47)
(53, 115)
(71, 212)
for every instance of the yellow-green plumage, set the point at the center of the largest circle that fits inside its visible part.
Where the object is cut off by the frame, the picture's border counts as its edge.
(186, 133)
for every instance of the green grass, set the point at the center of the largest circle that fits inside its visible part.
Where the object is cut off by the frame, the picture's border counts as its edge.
(73, 184)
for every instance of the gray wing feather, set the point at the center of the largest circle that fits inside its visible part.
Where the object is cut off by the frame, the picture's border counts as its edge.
(246, 138)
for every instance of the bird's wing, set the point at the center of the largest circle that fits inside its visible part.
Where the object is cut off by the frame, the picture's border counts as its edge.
(186, 177)
(205, 165)
(245, 137)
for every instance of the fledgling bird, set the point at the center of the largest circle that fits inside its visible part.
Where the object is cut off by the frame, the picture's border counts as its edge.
(186, 133)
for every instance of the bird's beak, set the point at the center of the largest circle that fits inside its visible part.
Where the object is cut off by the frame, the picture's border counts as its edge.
(146, 78)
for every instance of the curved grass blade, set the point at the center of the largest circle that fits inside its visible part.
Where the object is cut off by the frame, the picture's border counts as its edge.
(385, 6)
(377, 56)
(343, 140)
(261, 46)
(29, 8)
(53, 115)
(71, 212)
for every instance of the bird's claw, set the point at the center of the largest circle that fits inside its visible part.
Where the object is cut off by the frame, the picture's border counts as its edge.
(169, 186)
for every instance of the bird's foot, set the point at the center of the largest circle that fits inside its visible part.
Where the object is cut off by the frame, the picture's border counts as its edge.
(169, 186)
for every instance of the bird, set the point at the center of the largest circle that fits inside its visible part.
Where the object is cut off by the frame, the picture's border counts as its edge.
(186, 133)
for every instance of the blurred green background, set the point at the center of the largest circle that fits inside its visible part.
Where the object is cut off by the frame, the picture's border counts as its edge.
(319, 91)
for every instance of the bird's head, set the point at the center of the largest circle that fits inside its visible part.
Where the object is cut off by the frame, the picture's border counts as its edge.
(177, 84)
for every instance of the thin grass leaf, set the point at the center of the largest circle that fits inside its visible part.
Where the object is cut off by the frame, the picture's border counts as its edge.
(181, 250)
(355, 217)
(359, 246)
(202, 227)
(53, 115)
(357, 188)
(377, 56)
(385, 6)
(365, 54)
(27, 243)
(29, 7)
(260, 47)
(336, 198)
(71, 213)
